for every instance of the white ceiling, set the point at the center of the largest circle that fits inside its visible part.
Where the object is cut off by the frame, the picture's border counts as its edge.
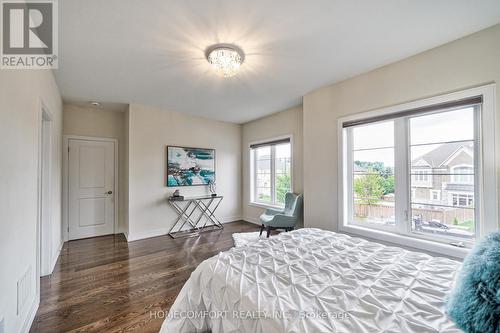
(152, 52)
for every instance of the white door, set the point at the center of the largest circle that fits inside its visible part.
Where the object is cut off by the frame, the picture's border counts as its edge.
(91, 179)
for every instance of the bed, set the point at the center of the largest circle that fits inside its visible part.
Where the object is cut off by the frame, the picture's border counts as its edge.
(312, 280)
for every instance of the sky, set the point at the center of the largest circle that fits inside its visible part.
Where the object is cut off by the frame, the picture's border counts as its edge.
(425, 131)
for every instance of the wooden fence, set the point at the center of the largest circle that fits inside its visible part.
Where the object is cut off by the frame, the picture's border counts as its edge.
(445, 215)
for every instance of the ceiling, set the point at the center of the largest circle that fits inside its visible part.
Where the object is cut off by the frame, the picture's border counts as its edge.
(152, 52)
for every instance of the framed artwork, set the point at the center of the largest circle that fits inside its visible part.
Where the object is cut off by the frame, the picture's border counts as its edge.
(190, 166)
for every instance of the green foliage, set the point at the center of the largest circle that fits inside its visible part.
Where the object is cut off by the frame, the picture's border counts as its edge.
(283, 185)
(455, 221)
(264, 197)
(368, 188)
(377, 167)
(387, 184)
(378, 181)
(467, 224)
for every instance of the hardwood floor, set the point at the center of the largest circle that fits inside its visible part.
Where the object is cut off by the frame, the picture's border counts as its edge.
(105, 284)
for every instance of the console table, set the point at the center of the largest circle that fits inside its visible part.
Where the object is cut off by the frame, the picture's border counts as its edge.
(189, 223)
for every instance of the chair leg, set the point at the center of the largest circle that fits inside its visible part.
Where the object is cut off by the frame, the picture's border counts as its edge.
(268, 231)
(261, 229)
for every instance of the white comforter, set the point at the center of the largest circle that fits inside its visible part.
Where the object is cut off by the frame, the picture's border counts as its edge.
(312, 280)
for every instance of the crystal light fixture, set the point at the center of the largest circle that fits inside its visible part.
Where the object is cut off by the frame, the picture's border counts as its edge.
(226, 59)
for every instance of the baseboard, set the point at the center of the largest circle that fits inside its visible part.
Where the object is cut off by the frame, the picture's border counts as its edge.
(31, 315)
(252, 220)
(126, 235)
(131, 237)
(230, 219)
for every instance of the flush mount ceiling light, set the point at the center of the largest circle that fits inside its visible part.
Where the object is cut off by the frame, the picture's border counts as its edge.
(226, 59)
(95, 103)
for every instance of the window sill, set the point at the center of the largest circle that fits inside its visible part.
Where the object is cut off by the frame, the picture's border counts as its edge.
(264, 205)
(397, 239)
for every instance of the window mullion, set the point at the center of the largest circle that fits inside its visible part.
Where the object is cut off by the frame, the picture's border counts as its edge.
(348, 178)
(273, 174)
(253, 176)
(478, 171)
(402, 175)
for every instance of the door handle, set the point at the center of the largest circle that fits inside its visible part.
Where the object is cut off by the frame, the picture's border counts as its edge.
(109, 192)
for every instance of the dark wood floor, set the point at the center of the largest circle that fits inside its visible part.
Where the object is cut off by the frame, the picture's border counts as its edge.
(105, 284)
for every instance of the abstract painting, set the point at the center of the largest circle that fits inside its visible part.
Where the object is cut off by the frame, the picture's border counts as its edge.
(190, 166)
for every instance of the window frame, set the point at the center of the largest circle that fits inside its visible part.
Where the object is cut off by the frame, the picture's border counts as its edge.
(253, 168)
(485, 169)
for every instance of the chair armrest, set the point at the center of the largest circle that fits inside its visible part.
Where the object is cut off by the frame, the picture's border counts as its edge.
(273, 212)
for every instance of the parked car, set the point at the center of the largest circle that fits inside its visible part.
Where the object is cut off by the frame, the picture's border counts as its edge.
(437, 224)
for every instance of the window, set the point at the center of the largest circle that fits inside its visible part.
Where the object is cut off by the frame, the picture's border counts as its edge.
(271, 171)
(414, 172)
(435, 195)
(263, 167)
(421, 176)
(440, 139)
(373, 174)
(463, 175)
(462, 200)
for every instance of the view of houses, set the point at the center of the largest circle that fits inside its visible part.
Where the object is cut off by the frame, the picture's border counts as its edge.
(272, 161)
(442, 191)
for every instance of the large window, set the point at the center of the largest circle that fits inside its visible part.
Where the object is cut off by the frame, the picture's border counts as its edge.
(441, 140)
(271, 171)
(415, 172)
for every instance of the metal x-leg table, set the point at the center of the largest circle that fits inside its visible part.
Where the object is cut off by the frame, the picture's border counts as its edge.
(189, 225)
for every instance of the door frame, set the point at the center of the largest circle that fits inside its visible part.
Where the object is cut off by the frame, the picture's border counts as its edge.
(44, 241)
(65, 194)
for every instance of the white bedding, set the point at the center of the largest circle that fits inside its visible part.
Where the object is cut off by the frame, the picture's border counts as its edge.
(312, 280)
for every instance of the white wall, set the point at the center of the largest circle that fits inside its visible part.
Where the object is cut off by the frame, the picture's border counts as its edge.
(21, 92)
(278, 124)
(150, 131)
(468, 62)
(88, 121)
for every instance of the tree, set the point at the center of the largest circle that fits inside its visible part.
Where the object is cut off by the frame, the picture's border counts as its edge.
(386, 174)
(368, 188)
(283, 185)
(387, 184)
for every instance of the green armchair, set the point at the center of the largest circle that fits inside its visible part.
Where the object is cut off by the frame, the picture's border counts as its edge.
(285, 219)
